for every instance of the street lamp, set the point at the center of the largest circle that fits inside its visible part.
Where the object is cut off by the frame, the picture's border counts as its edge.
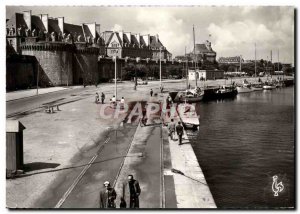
(160, 66)
(115, 58)
(37, 77)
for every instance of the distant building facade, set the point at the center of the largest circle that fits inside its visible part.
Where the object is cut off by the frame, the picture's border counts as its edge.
(203, 52)
(68, 54)
(231, 60)
(206, 74)
(126, 44)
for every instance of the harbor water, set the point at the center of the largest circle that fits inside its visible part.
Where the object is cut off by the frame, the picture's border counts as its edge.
(242, 143)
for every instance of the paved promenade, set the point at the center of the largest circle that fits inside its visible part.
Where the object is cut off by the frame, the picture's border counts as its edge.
(31, 92)
(58, 146)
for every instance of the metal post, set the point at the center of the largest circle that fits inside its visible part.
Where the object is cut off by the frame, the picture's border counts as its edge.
(160, 66)
(68, 74)
(116, 77)
(240, 63)
(37, 78)
(255, 59)
(195, 55)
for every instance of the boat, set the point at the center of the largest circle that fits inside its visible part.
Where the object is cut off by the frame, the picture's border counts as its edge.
(226, 92)
(188, 115)
(245, 87)
(269, 86)
(257, 87)
(190, 95)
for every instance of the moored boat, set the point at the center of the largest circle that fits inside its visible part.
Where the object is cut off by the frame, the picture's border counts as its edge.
(257, 87)
(269, 87)
(226, 92)
(188, 115)
(190, 95)
(245, 87)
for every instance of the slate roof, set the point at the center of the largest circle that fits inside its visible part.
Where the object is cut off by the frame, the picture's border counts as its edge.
(201, 48)
(53, 26)
(155, 43)
(37, 23)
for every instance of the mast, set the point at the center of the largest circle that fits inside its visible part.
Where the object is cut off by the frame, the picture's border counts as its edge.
(187, 73)
(271, 65)
(240, 63)
(195, 55)
(255, 58)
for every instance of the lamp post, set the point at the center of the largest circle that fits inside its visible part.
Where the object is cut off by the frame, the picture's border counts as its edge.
(37, 77)
(160, 66)
(115, 58)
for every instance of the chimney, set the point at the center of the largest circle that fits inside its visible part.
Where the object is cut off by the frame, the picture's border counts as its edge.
(121, 37)
(44, 18)
(27, 18)
(61, 24)
(138, 38)
(157, 37)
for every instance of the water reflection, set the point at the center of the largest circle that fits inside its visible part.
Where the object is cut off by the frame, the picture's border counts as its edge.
(243, 142)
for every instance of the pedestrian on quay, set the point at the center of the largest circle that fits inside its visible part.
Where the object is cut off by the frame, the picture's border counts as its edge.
(102, 97)
(97, 97)
(130, 192)
(107, 196)
(151, 92)
(179, 130)
(161, 89)
(122, 103)
(171, 127)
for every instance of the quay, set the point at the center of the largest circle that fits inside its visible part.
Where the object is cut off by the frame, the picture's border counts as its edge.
(58, 146)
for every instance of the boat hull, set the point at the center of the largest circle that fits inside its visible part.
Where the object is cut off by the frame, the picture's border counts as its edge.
(269, 87)
(188, 116)
(244, 89)
(227, 94)
(257, 88)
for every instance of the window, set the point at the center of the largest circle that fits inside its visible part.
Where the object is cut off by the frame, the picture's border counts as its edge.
(115, 45)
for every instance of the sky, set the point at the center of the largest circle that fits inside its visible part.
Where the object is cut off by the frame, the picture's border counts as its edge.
(232, 30)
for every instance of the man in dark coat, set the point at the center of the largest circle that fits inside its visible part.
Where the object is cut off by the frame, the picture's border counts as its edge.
(102, 97)
(130, 192)
(107, 196)
(151, 92)
(179, 130)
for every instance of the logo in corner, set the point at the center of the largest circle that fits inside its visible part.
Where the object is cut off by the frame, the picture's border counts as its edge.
(277, 187)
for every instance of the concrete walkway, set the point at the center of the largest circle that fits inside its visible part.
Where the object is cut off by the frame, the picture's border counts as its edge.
(144, 161)
(191, 189)
(31, 92)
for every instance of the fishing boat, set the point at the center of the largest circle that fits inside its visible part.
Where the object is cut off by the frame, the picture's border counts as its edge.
(245, 87)
(188, 115)
(257, 87)
(226, 92)
(269, 86)
(190, 95)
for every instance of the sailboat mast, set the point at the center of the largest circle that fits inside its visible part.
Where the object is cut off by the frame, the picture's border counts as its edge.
(255, 59)
(187, 73)
(278, 60)
(195, 55)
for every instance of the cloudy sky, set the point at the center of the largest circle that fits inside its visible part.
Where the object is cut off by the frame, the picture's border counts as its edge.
(233, 30)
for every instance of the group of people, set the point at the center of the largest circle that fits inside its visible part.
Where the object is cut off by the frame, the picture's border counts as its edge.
(129, 196)
(97, 98)
(172, 127)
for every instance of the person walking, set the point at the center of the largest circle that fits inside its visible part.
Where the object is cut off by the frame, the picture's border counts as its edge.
(97, 97)
(102, 97)
(171, 127)
(151, 92)
(130, 192)
(107, 196)
(179, 130)
(122, 103)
